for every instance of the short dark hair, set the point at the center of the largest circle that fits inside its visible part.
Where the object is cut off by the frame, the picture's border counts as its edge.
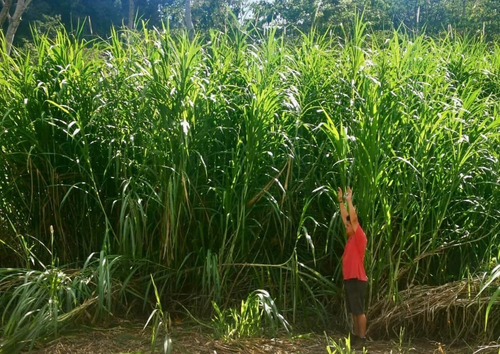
(348, 218)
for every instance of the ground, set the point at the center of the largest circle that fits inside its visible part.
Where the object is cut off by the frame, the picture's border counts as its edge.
(129, 337)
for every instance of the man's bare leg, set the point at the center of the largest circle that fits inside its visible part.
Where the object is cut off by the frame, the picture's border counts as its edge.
(359, 324)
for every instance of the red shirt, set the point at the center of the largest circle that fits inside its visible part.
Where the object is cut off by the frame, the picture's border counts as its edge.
(354, 255)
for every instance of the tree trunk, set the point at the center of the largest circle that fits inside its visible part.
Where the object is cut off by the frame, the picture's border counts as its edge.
(189, 22)
(4, 13)
(131, 13)
(14, 22)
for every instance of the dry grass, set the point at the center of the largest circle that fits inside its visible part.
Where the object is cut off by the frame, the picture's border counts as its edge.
(451, 310)
(189, 338)
(440, 319)
(132, 339)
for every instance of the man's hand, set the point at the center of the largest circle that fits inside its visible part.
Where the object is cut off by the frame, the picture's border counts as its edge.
(343, 210)
(348, 194)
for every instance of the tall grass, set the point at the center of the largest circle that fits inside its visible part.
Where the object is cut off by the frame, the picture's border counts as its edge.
(216, 159)
(38, 304)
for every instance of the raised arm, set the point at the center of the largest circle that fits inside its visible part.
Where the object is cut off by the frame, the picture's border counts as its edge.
(353, 216)
(343, 210)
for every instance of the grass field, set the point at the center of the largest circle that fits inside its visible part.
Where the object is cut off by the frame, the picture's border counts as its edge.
(149, 172)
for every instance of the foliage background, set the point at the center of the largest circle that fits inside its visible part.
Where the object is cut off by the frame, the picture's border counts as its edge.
(432, 16)
(211, 165)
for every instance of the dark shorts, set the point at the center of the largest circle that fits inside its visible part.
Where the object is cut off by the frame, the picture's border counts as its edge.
(355, 292)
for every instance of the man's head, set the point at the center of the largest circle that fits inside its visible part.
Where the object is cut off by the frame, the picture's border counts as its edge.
(348, 226)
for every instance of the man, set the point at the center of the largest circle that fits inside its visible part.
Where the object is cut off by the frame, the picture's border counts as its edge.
(353, 270)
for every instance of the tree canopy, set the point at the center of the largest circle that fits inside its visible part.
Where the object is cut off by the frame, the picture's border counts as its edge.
(479, 16)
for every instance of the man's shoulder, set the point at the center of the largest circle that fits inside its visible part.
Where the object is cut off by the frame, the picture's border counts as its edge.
(360, 231)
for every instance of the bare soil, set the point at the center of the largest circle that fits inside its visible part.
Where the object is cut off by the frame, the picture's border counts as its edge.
(129, 337)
